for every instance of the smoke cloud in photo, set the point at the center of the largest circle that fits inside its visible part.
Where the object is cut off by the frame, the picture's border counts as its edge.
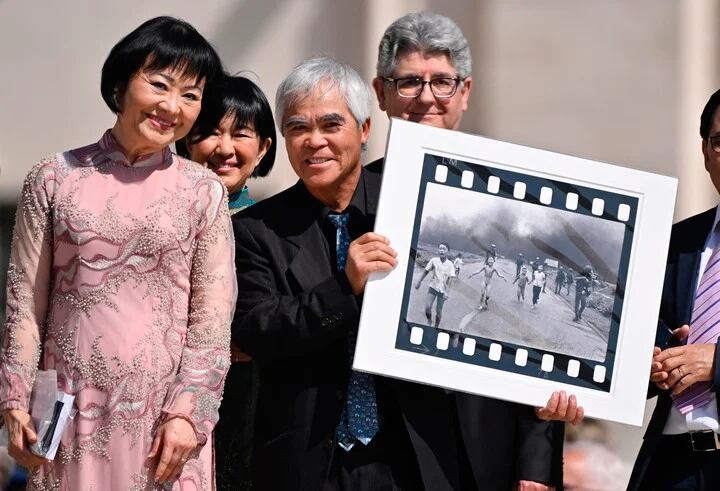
(470, 221)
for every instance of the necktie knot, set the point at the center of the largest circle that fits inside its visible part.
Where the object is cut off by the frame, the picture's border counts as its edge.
(339, 220)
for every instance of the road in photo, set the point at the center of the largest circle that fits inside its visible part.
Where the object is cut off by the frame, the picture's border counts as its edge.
(550, 326)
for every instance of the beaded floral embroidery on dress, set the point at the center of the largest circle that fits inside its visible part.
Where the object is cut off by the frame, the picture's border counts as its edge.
(122, 279)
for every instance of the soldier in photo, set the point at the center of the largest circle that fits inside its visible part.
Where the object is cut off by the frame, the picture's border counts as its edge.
(519, 262)
(559, 280)
(583, 287)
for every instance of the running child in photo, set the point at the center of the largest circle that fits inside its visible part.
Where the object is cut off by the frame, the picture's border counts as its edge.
(489, 270)
(442, 272)
(522, 280)
(457, 263)
(538, 282)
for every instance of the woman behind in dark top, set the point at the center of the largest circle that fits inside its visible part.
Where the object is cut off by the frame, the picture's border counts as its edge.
(235, 137)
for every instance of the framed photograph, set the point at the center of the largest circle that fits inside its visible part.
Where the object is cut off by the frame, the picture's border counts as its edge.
(520, 272)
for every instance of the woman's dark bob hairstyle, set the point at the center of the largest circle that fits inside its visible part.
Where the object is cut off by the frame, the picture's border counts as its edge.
(162, 42)
(244, 102)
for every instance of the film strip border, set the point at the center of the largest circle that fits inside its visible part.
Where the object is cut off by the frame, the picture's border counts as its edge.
(496, 354)
(548, 192)
(522, 187)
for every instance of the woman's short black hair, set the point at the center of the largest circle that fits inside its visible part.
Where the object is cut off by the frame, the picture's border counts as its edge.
(243, 101)
(162, 42)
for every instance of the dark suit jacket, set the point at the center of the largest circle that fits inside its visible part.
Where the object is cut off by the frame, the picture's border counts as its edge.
(294, 316)
(687, 243)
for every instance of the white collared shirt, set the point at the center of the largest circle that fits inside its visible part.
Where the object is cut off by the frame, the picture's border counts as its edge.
(705, 417)
(441, 271)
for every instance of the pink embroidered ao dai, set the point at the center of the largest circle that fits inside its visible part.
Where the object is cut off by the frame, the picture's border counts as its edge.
(122, 279)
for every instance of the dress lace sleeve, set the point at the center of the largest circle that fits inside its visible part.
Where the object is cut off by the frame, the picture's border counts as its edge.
(196, 392)
(28, 287)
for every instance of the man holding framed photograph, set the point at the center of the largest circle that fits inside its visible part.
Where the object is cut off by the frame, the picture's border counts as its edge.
(423, 76)
(303, 257)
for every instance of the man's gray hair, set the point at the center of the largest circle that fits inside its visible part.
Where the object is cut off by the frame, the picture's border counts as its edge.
(327, 75)
(428, 33)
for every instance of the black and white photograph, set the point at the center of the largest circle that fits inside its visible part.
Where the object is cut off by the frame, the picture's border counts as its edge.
(515, 272)
(519, 272)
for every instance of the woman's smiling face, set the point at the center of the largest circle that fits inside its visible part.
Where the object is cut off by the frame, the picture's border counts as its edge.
(158, 108)
(232, 151)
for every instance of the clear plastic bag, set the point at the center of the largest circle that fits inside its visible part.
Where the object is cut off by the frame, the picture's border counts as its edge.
(51, 410)
(42, 404)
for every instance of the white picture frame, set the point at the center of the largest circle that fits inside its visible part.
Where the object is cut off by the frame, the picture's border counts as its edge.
(476, 190)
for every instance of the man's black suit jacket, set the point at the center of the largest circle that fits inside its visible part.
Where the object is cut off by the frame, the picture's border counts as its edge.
(687, 243)
(294, 316)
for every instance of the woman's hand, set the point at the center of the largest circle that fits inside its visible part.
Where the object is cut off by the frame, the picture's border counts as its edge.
(175, 442)
(21, 434)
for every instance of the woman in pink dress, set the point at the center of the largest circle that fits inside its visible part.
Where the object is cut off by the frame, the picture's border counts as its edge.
(121, 279)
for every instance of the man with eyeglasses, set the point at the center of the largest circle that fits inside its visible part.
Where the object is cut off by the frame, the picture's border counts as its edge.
(423, 71)
(423, 75)
(681, 447)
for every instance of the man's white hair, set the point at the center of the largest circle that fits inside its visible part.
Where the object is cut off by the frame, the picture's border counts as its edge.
(327, 75)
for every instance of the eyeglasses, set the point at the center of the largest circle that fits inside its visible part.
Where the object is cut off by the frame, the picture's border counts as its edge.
(715, 143)
(411, 87)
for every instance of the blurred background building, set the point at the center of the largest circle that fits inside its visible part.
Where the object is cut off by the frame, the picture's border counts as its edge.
(616, 81)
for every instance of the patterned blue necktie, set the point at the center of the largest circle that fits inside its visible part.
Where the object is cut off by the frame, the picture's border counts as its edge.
(359, 419)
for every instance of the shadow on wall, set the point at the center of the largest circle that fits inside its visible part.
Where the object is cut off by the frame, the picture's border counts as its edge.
(253, 18)
(7, 220)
